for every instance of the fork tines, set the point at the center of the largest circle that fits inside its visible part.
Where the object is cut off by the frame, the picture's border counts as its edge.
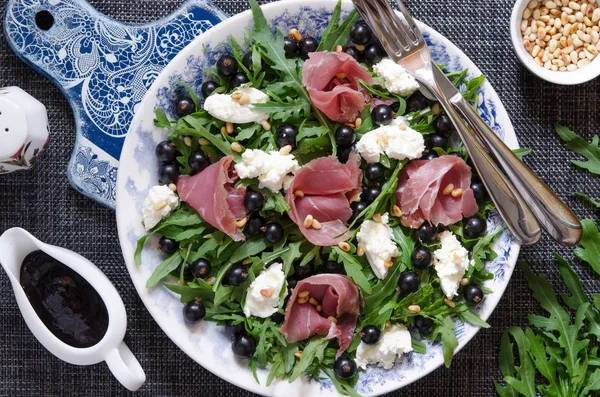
(397, 35)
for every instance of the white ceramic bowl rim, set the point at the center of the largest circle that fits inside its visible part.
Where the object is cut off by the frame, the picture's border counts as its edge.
(578, 76)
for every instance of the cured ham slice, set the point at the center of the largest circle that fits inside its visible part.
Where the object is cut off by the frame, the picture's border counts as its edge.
(325, 184)
(420, 192)
(338, 296)
(341, 99)
(212, 194)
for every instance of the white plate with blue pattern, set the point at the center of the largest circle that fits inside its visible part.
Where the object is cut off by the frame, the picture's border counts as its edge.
(207, 343)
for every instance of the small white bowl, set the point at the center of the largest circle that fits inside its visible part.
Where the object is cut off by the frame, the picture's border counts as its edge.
(564, 78)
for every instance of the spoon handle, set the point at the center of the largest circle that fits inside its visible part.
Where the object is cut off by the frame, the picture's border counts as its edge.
(552, 213)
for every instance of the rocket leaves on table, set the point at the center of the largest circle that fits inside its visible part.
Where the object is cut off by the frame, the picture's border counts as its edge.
(589, 250)
(588, 199)
(590, 151)
(554, 354)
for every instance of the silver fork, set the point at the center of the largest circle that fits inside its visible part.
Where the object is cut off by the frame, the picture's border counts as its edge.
(404, 43)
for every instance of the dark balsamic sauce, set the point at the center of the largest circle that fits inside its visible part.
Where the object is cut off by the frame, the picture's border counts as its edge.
(65, 302)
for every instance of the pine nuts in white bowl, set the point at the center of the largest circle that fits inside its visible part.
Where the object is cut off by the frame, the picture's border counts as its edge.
(558, 40)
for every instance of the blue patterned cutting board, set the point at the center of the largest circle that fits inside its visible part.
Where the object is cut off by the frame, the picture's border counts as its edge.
(104, 68)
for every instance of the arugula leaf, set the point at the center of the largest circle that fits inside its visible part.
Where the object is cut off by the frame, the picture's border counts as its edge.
(588, 198)
(482, 251)
(162, 270)
(524, 380)
(285, 109)
(310, 132)
(137, 256)
(199, 289)
(336, 34)
(449, 340)
(248, 132)
(314, 350)
(161, 120)
(253, 246)
(590, 245)
(291, 253)
(507, 368)
(354, 269)
(559, 321)
(590, 151)
(276, 202)
(522, 152)
(341, 386)
(473, 86)
(578, 297)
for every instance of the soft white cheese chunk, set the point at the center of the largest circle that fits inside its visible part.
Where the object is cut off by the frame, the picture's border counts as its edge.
(452, 261)
(224, 108)
(270, 168)
(158, 205)
(377, 239)
(262, 299)
(396, 79)
(396, 139)
(393, 343)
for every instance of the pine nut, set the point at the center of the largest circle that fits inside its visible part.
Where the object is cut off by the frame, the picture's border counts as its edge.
(299, 193)
(387, 264)
(596, 15)
(223, 130)
(242, 222)
(267, 292)
(344, 246)
(159, 205)
(247, 261)
(397, 211)
(457, 192)
(551, 5)
(574, 6)
(229, 128)
(302, 301)
(359, 47)
(313, 301)
(533, 4)
(360, 251)
(236, 96)
(583, 63)
(414, 308)
(358, 122)
(535, 51)
(449, 302)
(316, 224)
(244, 100)
(338, 48)
(188, 141)
(173, 186)
(285, 150)
(332, 319)
(448, 189)
(464, 281)
(377, 217)
(265, 125)
(527, 13)
(435, 109)
(308, 221)
(341, 75)
(236, 147)
(388, 324)
(303, 294)
(298, 353)
(319, 308)
(203, 142)
(295, 34)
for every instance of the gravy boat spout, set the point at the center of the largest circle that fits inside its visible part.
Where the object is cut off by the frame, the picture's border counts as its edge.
(15, 245)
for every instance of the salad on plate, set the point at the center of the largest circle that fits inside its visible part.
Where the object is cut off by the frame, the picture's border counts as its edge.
(316, 205)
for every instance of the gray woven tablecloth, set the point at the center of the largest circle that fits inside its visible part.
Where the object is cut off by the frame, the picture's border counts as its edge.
(42, 201)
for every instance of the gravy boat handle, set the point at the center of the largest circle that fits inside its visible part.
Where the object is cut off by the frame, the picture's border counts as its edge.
(125, 367)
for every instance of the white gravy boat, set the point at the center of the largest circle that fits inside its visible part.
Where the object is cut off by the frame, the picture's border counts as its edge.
(15, 245)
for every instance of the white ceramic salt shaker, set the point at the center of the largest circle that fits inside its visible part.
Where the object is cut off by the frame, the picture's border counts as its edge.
(23, 129)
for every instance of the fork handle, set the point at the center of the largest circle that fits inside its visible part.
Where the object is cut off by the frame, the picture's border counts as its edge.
(517, 216)
(554, 216)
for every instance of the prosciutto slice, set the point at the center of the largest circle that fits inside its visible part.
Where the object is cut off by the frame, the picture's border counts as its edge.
(339, 298)
(341, 99)
(420, 188)
(325, 183)
(212, 194)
